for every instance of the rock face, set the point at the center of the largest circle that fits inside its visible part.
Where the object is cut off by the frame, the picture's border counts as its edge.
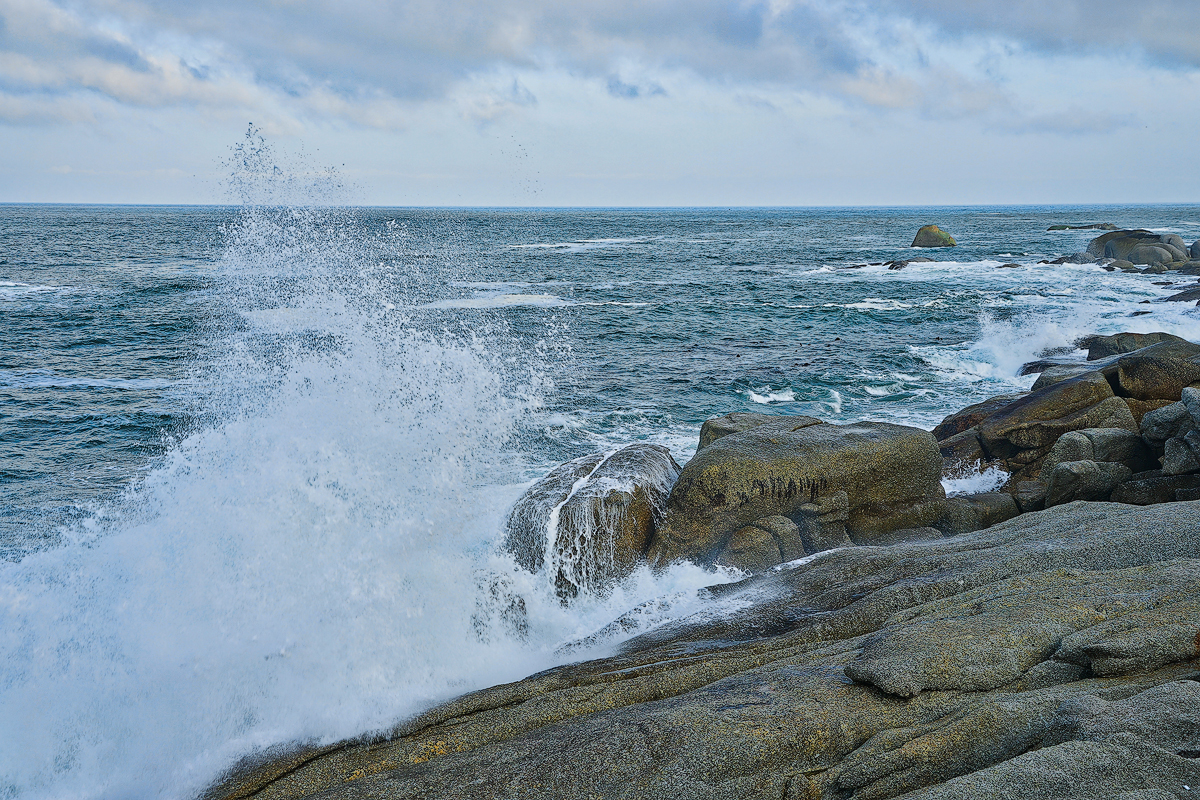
(592, 518)
(1194, 250)
(1053, 655)
(866, 479)
(933, 236)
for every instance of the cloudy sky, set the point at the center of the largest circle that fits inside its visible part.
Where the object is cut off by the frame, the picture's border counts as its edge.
(608, 102)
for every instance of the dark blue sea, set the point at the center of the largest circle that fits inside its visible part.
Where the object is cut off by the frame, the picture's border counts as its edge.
(254, 461)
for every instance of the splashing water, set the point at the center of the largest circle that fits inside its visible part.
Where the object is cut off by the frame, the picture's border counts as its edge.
(314, 561)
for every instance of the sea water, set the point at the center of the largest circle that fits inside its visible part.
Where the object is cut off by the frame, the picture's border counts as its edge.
(255, 461)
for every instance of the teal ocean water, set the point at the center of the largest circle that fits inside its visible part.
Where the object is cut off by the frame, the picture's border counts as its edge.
(254, 462)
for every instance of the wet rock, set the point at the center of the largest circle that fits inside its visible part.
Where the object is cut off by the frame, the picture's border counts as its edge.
(1186, 296)
(933, 236)
(963, 454)
(1051, 375)
(1083, 480)
(737, 422)
(600, 510)
(974, 512)
(1155, 254)
(763, 544)
(1118, 343)
(1118, 243)
(890, 474)
(1102, 226)
(1159, 372)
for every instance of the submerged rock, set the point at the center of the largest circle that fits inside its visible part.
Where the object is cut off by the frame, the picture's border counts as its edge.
(592, 518)
(1053, 655)
(933, 236)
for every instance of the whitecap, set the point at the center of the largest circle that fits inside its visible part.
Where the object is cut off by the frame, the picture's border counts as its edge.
(501, 301)
(767, 396)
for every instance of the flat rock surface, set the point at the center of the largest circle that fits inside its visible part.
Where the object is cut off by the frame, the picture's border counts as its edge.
(1052, 655)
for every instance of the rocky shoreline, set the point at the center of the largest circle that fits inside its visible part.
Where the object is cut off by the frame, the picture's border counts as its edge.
(1038, 641)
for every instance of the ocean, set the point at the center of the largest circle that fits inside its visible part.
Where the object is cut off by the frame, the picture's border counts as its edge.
(256, 460)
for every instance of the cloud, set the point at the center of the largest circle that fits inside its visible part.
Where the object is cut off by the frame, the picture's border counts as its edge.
(368, 62)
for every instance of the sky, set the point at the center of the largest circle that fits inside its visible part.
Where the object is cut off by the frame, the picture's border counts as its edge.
(607, 102)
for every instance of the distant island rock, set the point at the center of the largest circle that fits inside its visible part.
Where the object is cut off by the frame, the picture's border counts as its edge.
(1097, 226)
(933, 236)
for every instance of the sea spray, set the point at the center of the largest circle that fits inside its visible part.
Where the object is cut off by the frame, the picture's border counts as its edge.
(313, 560)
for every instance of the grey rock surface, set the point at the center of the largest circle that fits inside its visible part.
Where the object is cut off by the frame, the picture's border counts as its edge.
(889, 475)
(1052, 655)
(1083, 480)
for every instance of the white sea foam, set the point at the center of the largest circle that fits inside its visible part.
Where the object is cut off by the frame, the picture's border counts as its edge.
(873, 304)
(766, 395)
(975, 480)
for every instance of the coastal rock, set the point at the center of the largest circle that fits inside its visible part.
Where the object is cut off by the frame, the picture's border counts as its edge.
(962, 454)
(1119, 343)
(1052, 655)
(1159, 372)
(1153, 254)
(933, 236)
(971, 416)
(592, 517)
(1194, 250)
(1039, 418)
(974, 512)
(762, 545)
(1187, 295)
(1181, 454)
(1083, 480)
(889, 474)
(1152, 486)
(738, 421)
(1100, 226)
(1100, 444)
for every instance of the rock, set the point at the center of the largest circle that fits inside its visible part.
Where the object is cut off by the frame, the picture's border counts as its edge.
(763, 544)
(1100, 444)
(962, 454)
(1185, 296)
(1166, 422)
(1181, 454)
(933, 236)
(1117, 243)
(1194, 250)
(601, 510)
(1054, 374)
(973, 512)
(971, 416)
(1039, 418)
(737, 422)
(1046, 656)
(1009, 266)
(1083, 480)
(1101, 226)
(1159, 372)
(1190, 397)
(1028, 495)
(1118, 343)
(1140, 408)
(1152, 486)
(889, 473)
(1154, 254)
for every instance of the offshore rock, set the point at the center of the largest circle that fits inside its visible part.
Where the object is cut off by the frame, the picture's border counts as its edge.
(933, 236)
(593, 517)
(871, 477)
(1052, 655)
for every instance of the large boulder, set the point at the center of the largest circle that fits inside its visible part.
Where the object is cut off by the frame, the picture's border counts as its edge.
(739, 421)
(1119, 343)
(593, 517)
(1194, 250)
(1083, 480)
(933, 236)
(763, 544)
(1038, 419)
(1116, 445)
(864, 480)
(972, 415)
